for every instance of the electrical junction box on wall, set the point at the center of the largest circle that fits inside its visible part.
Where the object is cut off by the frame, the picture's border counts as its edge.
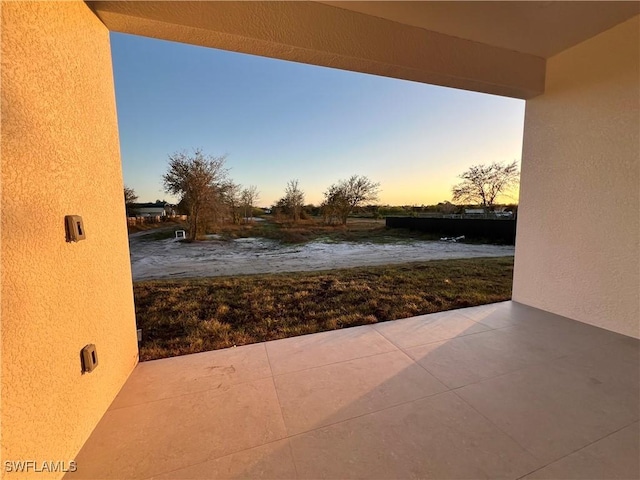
(74, 228)
(89, 357)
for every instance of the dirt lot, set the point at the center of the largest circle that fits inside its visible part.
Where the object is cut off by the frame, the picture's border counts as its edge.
(168, 258)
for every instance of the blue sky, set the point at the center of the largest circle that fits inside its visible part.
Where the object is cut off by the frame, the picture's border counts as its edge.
(280, 120)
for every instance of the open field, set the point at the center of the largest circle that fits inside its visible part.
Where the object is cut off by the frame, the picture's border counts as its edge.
(188, 316)
(307, 230)
(270, 228)
(244, 250)
(168, 225)
(313, 229)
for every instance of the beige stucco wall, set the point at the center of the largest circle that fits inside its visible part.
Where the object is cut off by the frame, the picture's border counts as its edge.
(60, 156)
(317, 34)
(577, 247)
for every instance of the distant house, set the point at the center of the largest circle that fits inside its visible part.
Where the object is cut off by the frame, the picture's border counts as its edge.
(474, 211)
(157, 209)
(499, 212)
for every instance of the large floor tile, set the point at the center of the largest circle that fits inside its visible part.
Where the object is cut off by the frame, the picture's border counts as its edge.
(308, 351)
(618, 356)
(512, 314)
(494, 315)
(509, 314)
(271, 461)
(613, 369)
(614, 457)
(332, 393)
(155, 437)
(565, 336)
(170, 377)
(554, 408)
(436, 437)
(547, 330)
(535, 394)
(411, 332)
(462, 360)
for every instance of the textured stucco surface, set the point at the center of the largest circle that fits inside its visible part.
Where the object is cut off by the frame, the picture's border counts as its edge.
(577, 247)
(540, 28)
(319, 34)
(60, 156)
(577, 250)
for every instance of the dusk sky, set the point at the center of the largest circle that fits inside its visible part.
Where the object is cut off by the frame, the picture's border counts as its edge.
(280, 120)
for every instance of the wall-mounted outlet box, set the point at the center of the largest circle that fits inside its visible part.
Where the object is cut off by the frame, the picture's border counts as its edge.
(74, 228)
(89, 357)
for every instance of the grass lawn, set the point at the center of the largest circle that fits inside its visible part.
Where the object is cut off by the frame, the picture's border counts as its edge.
(195, 315)
(170, 223)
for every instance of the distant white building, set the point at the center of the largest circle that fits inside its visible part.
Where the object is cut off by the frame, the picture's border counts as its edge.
(157, 209)
(474, 211)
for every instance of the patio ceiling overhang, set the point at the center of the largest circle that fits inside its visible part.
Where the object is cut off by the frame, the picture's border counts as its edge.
(318, 34)
(490, 47)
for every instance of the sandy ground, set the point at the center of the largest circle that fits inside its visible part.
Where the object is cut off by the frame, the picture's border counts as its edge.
(171, 259)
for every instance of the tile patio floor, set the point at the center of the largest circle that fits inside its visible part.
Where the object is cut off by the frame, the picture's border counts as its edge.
(499, 391)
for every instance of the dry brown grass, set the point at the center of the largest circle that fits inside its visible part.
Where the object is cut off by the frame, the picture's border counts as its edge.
(188, 316)
(310, 229)
(143, 227)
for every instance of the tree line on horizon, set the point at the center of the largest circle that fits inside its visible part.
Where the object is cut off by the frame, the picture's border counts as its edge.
(209, 196)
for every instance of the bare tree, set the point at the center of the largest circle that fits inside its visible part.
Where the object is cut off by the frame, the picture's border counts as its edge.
(293, 200)
(249, 198)
(233, 199)
(343, 197)
(201, 181)
(482, 184)
(129, 196)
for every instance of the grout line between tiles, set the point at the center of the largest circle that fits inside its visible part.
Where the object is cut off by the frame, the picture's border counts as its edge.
(402, 349)
(275, 389)
(212, 458)
(480, 380)
(449, 388)
(293, 458)
(187, 393)
(303, 369)
(286, 437)
(284, 423)
(425, 369)
(334, 363)
(495, 425)
(577, 450)
(364, 414)
(489, 329)
(548, 361)
(339, 361)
